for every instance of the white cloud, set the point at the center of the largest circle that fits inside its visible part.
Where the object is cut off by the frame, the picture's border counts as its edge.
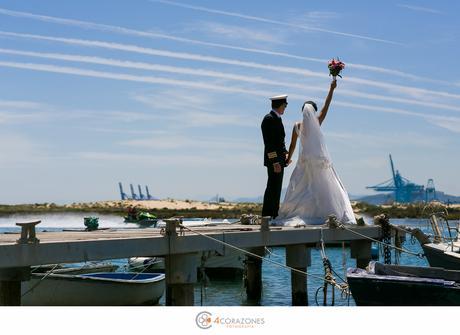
(18, 104)
(449, 123)
(18, 150)
(196, 160)
(23, 117)
(239, 33)
(129, 116)
(386, 140)
(204, 119)
(193, 109)
(121, 131)
(273, 22)
(420, 9)
(313, 18)
(179, 141)
(194, 84)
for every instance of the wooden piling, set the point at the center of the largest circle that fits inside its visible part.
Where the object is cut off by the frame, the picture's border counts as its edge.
(10, 285)
(298, 256)
(253, 280)
(10, 293)
(361, 251)
(180, 272)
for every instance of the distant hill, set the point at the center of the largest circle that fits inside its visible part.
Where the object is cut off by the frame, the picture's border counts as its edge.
(388, 198)
(376, 199)
(257, 199)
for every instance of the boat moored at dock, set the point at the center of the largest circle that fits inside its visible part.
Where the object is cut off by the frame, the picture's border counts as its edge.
(93, 289)
(394, 285)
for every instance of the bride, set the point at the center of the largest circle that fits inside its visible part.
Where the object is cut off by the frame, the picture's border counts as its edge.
(315, 191)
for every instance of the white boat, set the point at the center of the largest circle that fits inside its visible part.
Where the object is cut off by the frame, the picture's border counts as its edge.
(215, 265)
(442, 249)
(75, 269)
(93, 289)
(146, 264)
(191, 222)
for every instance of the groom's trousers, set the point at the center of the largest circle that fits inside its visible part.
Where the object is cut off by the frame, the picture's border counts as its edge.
(272, 192)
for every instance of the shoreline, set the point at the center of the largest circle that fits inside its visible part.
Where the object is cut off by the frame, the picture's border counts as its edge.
(190, 208)
(161, 208)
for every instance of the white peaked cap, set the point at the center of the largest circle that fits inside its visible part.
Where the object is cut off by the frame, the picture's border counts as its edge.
(279, 97)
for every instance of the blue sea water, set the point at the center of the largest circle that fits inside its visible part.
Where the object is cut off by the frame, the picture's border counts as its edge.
(276, 279)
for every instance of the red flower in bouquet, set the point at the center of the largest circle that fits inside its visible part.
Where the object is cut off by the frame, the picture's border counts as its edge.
(335, 66)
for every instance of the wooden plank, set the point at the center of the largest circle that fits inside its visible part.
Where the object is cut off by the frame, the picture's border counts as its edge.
(62, 247)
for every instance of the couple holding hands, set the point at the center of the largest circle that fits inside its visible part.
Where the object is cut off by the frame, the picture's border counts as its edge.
(315, 190)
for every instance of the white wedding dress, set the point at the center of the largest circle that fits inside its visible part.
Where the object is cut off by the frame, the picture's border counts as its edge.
(315, 191)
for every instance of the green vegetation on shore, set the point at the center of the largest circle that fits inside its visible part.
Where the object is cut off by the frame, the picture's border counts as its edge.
(219, 213)
(418, 210)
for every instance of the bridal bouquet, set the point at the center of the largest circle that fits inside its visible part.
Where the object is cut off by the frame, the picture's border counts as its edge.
(335, 66)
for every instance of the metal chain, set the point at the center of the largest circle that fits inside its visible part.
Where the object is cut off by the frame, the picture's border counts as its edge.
(387, 240)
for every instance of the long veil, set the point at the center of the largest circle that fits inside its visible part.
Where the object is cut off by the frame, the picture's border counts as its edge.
(315, 191)
(312, 144)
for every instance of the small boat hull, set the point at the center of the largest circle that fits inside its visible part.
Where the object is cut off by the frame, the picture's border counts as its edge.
(440, 255)
(95, 289)
(438, 287)
(144, 222)
(219, 267)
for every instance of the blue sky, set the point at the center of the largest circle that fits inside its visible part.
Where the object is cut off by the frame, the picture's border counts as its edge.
(171, 94)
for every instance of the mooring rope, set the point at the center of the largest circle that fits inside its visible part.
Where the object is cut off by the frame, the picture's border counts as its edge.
(40, 281)
(333, 283)
(329, 277)
(420, 255)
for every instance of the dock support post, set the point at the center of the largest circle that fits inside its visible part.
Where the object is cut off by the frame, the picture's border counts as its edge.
(253, 280)
(254, 275)
(298, 256)
(180, 272)
(361, 251)
(10, 285)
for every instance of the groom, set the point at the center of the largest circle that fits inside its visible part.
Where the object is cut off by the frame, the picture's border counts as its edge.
(275, 154)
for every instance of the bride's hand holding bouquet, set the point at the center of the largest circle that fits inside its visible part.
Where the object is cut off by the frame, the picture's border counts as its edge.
(335, 67)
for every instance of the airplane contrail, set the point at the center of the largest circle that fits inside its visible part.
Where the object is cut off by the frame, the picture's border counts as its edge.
(200, 85)
(215, 74)
(227, 61)
(271, 21)
(140, 33)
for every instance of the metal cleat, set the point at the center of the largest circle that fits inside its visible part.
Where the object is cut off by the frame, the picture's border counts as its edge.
(28, 232)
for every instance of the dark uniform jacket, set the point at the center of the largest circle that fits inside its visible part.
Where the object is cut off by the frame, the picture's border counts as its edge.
(273, 134)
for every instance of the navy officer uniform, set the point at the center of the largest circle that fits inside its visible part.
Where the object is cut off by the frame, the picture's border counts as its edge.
(274, 153)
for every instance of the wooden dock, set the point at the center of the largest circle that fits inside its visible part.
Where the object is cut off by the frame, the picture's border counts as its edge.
(179, 247)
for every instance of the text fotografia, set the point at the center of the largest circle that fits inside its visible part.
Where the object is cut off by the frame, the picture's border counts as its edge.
(239, 322)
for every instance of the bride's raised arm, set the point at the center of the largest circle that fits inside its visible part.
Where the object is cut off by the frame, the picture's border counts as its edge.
(323, 113)
(293, 144)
